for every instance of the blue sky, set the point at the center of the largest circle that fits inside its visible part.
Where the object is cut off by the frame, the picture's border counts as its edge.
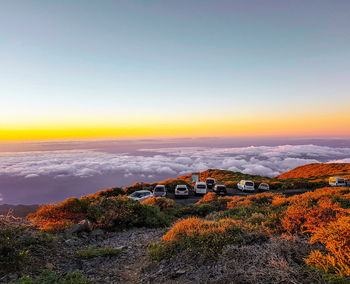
(121, 61)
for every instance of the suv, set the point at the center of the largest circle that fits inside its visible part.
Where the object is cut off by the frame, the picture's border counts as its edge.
(220, 189)
(159, 190)
(181, 190)
(264, 187)
(210, 183)
(200, 188)
(247, 185)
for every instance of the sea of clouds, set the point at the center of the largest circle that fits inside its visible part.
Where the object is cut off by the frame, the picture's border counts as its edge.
(261, 160)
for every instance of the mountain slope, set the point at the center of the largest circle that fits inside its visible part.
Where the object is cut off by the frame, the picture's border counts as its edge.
(317, 171)
(221, 176)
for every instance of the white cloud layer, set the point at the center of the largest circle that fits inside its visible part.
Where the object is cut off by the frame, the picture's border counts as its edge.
(261, 160)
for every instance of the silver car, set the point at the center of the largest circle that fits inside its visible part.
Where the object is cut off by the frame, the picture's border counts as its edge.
(264, 187)
(141, 195)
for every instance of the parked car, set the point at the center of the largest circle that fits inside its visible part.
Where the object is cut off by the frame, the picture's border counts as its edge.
(181, 190)
(200, 188)
(141, 195)
(264, 187)
(246, 185)
(210, 183)
(348, 182)
(337, 181)
(159, 190)
(220, 189)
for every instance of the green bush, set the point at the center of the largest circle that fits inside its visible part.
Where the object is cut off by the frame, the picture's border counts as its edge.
(50, 277)
(95, 252)
(109, 192)
(199, 210)
(16, 246)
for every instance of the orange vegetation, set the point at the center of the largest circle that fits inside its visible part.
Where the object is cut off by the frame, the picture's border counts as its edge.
(324, 215)
(196, 226)
(318, 171)
(160, 202)
(336, 237)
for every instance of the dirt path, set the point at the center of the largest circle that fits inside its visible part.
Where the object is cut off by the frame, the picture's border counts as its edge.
(124, 268)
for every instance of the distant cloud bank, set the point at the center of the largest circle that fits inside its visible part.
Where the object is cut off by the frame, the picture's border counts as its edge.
(262, 160)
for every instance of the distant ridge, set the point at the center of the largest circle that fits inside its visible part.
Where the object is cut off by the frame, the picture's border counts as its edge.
(317, 171)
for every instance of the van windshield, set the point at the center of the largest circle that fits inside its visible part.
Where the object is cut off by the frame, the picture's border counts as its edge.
(249, 183)
(200, 186)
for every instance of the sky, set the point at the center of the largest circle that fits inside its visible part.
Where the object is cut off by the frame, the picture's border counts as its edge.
(131, 69)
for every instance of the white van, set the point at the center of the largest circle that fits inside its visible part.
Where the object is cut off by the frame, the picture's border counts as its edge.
(337, 181)
(200, 188)
(247, 185)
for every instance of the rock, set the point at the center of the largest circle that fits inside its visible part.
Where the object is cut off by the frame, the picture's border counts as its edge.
(181, 271)
(13, 277)
(97, 233)
(49, 266)
(82, 226)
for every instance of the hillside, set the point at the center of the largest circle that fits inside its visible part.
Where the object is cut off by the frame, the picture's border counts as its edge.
(221, 176)
(317, 172)
(229, 178)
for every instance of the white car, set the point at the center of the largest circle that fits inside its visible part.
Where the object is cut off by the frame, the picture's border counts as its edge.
(141, 195)
(200, 188)
(337, 181)
(181, 190)
(264, 187)
(246, 185)
(159, 190)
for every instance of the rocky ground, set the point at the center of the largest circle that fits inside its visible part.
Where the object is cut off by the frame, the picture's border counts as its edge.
(262, 261)
(255, 260)
(124, 268)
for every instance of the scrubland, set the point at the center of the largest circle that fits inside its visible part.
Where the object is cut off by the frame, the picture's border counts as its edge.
(260, 238)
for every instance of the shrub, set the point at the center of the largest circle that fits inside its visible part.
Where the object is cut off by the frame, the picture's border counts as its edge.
(110, 213)
(109, 192)
(160, 202)
(308, 211)
(336, 238)
(18, 246)
(198, 237)
(211, 198)
(49, 277)
(199, 210)
(95, 252)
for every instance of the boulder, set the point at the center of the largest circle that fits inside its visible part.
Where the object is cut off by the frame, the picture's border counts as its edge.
(82, 226)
